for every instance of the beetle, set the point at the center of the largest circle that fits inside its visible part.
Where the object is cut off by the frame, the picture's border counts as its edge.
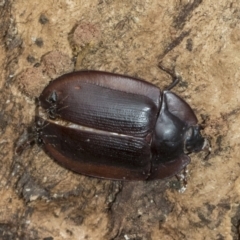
(113, 126)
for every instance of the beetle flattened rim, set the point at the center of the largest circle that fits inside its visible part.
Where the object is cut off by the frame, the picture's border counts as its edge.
(105, 79)
(179, 108)
(169, 169)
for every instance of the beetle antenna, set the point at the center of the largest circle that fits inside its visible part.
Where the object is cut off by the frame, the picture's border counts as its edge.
(172, 73)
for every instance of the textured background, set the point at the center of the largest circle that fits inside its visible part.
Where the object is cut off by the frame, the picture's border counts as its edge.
(42, 40)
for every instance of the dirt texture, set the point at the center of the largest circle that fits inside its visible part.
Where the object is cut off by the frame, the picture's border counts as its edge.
(41, 40)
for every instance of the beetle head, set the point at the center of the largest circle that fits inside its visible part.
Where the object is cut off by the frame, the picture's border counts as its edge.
(194, 142)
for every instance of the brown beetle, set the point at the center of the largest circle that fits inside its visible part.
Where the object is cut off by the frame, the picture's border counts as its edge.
(117, 127)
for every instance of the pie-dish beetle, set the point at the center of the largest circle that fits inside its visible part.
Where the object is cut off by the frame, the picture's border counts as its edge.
(113, 126)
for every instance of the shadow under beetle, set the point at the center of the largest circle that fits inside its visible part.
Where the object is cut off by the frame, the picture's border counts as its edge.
(117, 127)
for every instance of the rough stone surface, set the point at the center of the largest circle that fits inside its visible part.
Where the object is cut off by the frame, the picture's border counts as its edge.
(200, 39)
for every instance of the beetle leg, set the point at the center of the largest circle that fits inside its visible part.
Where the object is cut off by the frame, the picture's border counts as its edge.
(53, 110)
(26, 140)
(62, 101)
(182, 178)
(26, 144)
(206, 148)
(175, 79)
(62, 108)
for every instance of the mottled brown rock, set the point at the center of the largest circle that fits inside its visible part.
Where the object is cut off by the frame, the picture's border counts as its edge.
(200, 39)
